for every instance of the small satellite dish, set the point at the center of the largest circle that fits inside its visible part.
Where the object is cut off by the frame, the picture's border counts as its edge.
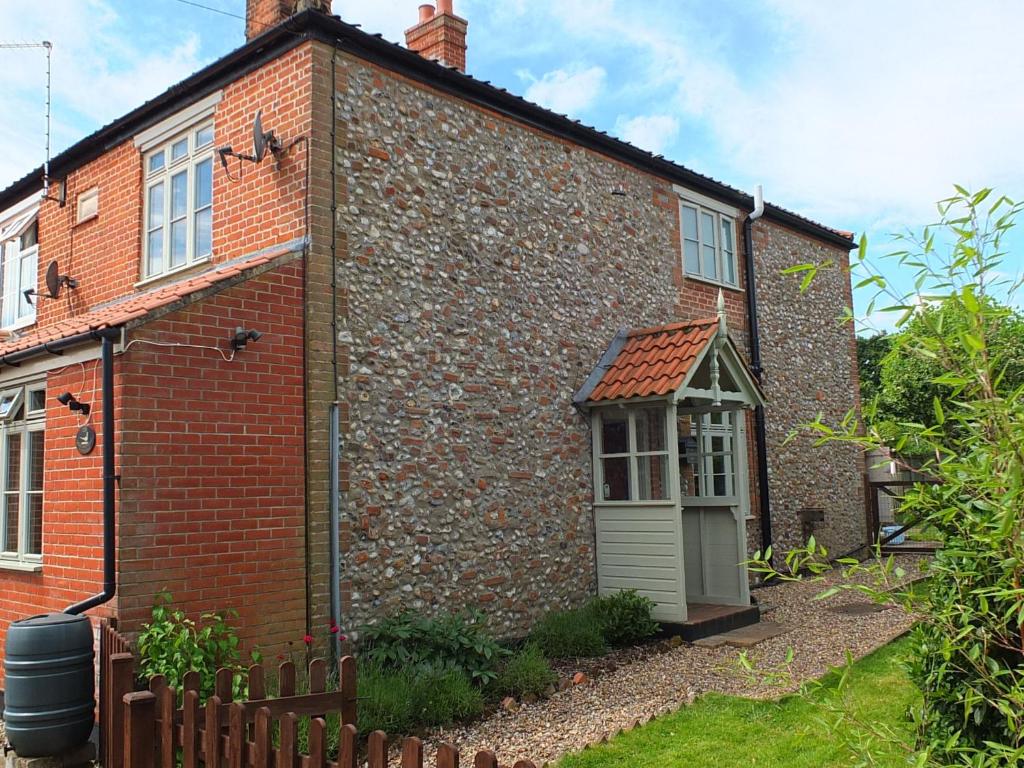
(55, 280)
(262, 140)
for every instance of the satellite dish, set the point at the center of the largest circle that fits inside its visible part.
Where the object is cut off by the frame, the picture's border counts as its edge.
(53, 280)
(260, 140)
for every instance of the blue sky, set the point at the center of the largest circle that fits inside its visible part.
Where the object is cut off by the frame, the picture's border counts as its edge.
(859, 115)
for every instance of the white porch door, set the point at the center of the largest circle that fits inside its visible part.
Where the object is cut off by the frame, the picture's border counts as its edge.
(715, 502)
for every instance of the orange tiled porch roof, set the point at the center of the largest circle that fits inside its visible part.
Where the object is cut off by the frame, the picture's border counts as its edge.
(136, 308)
(654, 361)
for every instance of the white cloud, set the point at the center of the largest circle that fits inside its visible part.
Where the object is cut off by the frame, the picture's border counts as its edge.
(102, 68)
(566, 91)
(651, 132)
(388, 18)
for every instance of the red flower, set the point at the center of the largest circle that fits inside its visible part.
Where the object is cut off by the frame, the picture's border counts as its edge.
(343, 638)
(308, 639)
(334, 629)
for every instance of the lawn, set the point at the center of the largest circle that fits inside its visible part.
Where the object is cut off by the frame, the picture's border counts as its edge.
(730, 731)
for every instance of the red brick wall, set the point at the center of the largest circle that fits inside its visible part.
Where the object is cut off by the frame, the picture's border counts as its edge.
(72, 510)
(212, 465)
(263, 206)
(203, 441)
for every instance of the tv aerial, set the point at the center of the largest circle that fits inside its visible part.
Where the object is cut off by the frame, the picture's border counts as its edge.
(55, 281)
(262, 141)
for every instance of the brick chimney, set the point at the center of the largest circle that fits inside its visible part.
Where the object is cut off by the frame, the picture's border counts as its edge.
(261, 15)
(439, 35)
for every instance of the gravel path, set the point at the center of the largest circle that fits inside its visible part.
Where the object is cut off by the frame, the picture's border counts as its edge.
(584, 714)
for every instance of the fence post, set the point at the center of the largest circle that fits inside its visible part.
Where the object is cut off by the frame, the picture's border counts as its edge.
(223, 683)
(873, 513)
(412, 753)
(347, 685)
(377, 750)
(190, 730)
(286, 679)
(263, 748)
(288, 752)
(447, 756)
(122, 682)
(317, 743)
(485, 759)
(238, 736)
(139, 713)
(211, 733)
(347, 752)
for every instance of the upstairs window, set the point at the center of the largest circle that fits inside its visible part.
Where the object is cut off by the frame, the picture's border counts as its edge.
(22, 437)
(19, 267)
(178, 206)
(709, 241)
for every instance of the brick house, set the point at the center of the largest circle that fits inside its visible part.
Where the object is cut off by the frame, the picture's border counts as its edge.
(439, 348)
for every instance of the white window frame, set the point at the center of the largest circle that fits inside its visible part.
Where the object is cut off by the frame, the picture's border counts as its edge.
(195, 155)
(32, 423)
(19, 270)
(632, 454)
(723, 217)
(726, 431)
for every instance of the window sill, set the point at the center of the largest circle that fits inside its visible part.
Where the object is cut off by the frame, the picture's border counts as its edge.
(85, 220)
(166, 276)
(18, 325)
(625, 503)
(716, 283)
(21, 566)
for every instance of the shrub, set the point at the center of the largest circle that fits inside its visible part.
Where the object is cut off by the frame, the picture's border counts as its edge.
(459, 641)
(525, 672)
(385, 699)
(399, 701)
(624, 617)
(569, 633)
(444, 696)
(173, 645)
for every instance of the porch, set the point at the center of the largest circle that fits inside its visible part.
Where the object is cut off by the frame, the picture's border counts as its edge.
(671, 489)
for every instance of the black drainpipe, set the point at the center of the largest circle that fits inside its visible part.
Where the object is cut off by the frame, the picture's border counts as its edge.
(760, 439)
(107, 337)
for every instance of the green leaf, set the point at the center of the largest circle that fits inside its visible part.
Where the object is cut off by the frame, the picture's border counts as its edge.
(970, 300)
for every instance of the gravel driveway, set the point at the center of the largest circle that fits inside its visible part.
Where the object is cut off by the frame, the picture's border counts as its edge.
(582, 715)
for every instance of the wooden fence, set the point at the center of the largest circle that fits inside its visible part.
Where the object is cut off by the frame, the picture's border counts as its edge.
(147, 729)
(116, 680)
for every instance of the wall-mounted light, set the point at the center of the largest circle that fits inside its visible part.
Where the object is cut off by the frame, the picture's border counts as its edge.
(242, 337)
(69, 400)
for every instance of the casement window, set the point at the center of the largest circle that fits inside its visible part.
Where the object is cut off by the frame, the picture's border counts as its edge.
(22, 437)
(708, 240)
(178, 205)
(19, 267)
(633, 454)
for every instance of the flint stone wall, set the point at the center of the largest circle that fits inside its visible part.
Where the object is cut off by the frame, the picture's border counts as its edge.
(485, 268)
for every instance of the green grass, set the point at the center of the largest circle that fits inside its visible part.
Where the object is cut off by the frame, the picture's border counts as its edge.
(730, 731)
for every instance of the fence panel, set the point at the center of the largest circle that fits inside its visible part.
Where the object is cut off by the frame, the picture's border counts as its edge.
(146, 729)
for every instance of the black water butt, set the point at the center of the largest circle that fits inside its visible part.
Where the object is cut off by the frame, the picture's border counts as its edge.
(50, 689)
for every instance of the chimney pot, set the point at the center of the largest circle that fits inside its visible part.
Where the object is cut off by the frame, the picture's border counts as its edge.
(439, 35)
